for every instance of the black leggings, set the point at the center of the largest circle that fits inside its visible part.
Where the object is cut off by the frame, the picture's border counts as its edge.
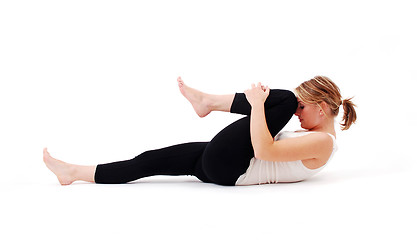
(220, 161)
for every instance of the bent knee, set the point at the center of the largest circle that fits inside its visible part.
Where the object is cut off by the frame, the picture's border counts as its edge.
(290, 99)
(284, 97)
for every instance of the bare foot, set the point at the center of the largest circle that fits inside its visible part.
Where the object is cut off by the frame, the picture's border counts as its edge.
(198, 99)
(62, 170)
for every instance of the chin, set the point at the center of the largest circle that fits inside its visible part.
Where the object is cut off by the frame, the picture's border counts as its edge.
(305, 127)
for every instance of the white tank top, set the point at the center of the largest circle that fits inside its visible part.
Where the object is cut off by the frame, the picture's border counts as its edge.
(261, 172)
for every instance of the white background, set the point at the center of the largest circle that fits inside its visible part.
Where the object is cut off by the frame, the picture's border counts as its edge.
(95, 81)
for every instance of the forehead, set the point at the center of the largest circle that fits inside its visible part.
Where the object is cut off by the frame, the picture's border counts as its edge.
(304, 103)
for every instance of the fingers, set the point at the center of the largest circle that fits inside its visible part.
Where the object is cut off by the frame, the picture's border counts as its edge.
(267, 90)
(259, 85)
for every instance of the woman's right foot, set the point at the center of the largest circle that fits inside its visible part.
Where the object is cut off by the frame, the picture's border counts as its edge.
(198, 100)
(62, 170)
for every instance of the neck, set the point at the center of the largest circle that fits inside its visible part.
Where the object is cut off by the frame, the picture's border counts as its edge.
(326, 126)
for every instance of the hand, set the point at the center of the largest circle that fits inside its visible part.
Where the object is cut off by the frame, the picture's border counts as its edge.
(257, 94)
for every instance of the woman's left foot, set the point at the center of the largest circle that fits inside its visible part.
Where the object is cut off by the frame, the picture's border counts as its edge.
(198, 99)
(62, 170)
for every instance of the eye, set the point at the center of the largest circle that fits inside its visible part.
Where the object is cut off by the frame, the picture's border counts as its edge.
(301, 106)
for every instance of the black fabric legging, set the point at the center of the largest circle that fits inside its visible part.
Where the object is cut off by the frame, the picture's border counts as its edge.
(220, 161)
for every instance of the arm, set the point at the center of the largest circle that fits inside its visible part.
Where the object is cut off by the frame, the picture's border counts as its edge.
(312, 146)
(260, 136)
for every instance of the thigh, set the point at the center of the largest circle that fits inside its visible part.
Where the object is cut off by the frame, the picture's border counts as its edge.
(228, 154)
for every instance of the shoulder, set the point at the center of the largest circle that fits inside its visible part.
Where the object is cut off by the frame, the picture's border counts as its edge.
(321, 144)
(313, 137)
(320, 139)
(317, 144)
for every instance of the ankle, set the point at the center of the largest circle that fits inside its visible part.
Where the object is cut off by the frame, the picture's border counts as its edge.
(219, 102)
(72, 171)
(209, 100)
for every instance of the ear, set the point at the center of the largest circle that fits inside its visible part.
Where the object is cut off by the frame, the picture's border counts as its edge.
(324, 107)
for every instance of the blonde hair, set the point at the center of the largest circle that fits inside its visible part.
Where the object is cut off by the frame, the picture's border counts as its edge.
(321, 89)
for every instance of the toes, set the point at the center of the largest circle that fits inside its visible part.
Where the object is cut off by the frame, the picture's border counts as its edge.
(181, 84)
(180, 80)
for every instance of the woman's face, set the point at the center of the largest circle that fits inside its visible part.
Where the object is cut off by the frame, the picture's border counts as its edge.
(308, 114)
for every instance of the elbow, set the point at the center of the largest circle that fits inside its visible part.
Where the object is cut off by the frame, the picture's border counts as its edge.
(266, 153)
(263, 148)
(263, 156)
(260, 153)
(266, 157)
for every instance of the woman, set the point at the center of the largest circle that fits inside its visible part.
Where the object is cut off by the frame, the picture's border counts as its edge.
(245, 152)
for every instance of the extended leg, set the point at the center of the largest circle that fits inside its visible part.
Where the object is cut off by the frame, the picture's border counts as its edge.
(175, 160)
(179, 159)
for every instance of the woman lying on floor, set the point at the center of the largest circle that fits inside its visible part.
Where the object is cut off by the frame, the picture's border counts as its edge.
(251, 150)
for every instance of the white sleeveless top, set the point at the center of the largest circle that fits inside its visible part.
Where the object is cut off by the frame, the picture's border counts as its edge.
(261, 172)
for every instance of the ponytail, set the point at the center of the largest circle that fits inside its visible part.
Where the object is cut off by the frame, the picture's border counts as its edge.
(349, 114)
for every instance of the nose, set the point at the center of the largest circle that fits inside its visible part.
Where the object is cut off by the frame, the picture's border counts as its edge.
(297, 112)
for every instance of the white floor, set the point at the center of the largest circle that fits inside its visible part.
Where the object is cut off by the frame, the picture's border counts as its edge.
(363, 204)
(95, 81)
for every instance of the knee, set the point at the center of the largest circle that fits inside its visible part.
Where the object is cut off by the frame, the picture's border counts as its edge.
(284, 97)
(289, 97)
(292, 101)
